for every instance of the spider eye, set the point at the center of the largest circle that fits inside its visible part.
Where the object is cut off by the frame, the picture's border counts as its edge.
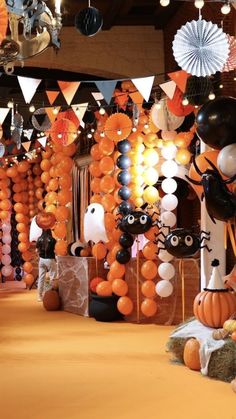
(143, 219)
(174, 241)
(92, 210)
(188, 240)
(130, 219)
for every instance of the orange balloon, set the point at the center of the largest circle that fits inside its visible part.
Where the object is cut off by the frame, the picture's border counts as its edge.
(136, 138)
(106, 165)
(65, 181)
(23, 166)
(37, 169)
(20, 218)
(69, 150)
(149, 269)
(64, 196)
(3, 194)
(96, 199)
(99, 251)
(183, 139)
(27, 256)
(60, 230)
(63, 131)
(106, 146)
(52, 171)
(149, 307)
(108, 202)
(117, 270)
(183, 156)
(150, 251)
(148, 289)
(65, 165)
(104, 289)
(3, 173)
(115, 249)
(53, 184)
(3, 215)
(38, 193)
(45, 177)
(23, 247)
(19, 207)
(107, 184)
(110, 223)
(62, 214)
(94, 169)
(119, 287)
(46, 154)
(5, 204)
(16, 187)
(51, 198)
(125, 305)
(95, 185)
(150, 140)
(21, 228)
(95, 152)
(28, 279)
(23, 237)
(12, 171)
(28, 267)
(152, 233)
(94, 282)
(110, 258)
(57, 147)
(61, 248)
(45, 165)
(51, 208)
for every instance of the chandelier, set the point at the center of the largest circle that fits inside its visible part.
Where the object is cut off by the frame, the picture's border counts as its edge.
(32, 29)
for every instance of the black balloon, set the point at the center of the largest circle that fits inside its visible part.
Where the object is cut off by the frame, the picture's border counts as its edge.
(126, 240)
(216, 122)
(124, 193)
(124, 177)
(18, 277)
(187, 124)
(182, 243)
(18, 270)
(123, 162)
(123, 256)
(123, 146)
(124, 208)
(88, 21)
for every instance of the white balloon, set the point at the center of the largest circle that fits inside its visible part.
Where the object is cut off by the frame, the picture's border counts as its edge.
(169, 151)
(168, 218)
(164, 288)
(169, 185)
(35, 230)
(166, 271)
(165, 256)
(94, 227)
(6, 228)
(169, 202)
(6, 249)
(169, 168)
(226, 160)
(6, 238)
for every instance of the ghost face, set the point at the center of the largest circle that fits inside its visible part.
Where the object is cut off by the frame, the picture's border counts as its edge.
(94, 227)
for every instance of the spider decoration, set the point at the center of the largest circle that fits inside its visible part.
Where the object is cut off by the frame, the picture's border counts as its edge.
(136, 222)
(220, 202)
(181, 242)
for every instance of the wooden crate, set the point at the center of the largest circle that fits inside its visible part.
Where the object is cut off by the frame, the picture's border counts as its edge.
(170, 308)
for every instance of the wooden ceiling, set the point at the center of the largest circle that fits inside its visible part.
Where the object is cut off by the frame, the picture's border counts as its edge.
(122, 12)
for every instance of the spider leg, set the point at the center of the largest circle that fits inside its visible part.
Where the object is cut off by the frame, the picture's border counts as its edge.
(212, 218)
(205, 232)
(195, 182)
(212, 164)
(206, 247)
(202, 196)
(204, 238)
(230, 180)
(196, 167)
(160, 234)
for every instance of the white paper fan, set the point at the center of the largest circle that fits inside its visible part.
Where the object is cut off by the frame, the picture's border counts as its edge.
(231, 60)
(163, 118)
(201, 48)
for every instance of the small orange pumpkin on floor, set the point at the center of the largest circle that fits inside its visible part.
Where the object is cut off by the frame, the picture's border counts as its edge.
(191, 354)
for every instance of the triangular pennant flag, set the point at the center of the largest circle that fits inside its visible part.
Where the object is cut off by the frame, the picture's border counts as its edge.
(80, 110)
(10, 148)
(3, 114)
(98, 96)
(82, 124)
(106, 88)
(26, 145)
(144, 86)
(52, 113)
(169, 88)
(28, 87)
(137, 98)
(69, 89)
(121, 99)
(40, 118)
(42, 140)
(180, 78)
(52, 95)
(28, 133)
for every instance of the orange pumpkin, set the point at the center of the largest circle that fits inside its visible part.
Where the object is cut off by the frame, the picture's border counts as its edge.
(191, 354)
(213, 307)
(45, 220)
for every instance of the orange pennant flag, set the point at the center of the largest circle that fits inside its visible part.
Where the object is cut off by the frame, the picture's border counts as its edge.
(180, 78)
(52, 95)
(26, 145)
(121, 99)
(68, 89)
(137, 98)
(52, 113)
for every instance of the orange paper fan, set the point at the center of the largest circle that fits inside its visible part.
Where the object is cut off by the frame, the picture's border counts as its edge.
(118, 126)
(63, 132)
(3, 19)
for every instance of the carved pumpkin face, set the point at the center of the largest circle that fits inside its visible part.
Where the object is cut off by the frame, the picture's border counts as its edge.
(45, 220)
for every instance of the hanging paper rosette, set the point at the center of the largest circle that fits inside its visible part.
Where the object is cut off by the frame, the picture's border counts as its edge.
(176, 106)
(63, 132)
(231, 61)
(163, 118)
(201, 48)
(118, 126)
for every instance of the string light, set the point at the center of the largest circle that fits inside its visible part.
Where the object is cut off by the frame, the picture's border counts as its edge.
(102, 111)
(221, 86)
(134, 129)
(164, 3)
(55, 111)
(32, 108)
(226, 8)
(185, 101)
(119, 132)
(59, 135)
(10, 104)
(211, 96)
(199, 4)
(102, 134)
(89, 135)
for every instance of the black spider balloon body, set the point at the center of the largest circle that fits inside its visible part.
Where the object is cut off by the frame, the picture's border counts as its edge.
(220, 202)
(182, 243)
(136, 222)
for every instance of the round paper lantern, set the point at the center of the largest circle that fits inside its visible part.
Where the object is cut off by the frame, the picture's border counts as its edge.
(169, 168)
(45, 220)
(166, 271)
(40, 120)
(118, 126)
(88, 21)
(149, 307)
(169, 202)
(164, 288)
(63, 131)
(168, 218)
(164, 119)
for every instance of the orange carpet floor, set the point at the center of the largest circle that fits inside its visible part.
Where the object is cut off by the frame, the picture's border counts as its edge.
(56, 365)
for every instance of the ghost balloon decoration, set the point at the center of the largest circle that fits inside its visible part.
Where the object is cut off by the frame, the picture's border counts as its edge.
(94, 224)
(35, 230)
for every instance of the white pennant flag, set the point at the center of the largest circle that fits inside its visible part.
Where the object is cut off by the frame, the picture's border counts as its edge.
(144, 86)
(3, 114)
(28, 87)
(169, 88)
(28, 133)
(80, 110)
(42, 140)
(98, 96)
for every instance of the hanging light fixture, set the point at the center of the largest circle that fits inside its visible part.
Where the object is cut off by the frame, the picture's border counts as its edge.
(226, 8)
(41, 30)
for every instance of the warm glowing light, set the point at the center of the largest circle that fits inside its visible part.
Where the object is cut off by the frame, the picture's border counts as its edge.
(199, 4)
(164, 3)
(225, 9)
